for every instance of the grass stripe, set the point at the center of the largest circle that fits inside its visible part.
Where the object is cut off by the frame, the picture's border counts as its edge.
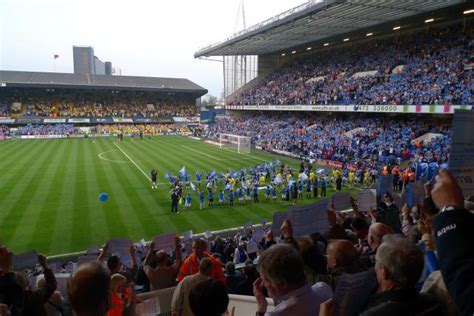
(49, 191)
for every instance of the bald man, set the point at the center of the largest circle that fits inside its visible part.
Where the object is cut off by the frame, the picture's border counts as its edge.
(163, 276)
(374, 240)
(89, 290)
(341, 258)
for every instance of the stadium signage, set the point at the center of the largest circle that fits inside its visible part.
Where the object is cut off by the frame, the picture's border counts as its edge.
(428, 109)
(54, 120)
(122, 120)
(29, 120)
(142, 120)
(78, 120)
(103, 120)
(335, 164)
(42, 136)
(6, 120)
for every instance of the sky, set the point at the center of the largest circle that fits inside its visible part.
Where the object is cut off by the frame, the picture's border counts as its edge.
(142, 37)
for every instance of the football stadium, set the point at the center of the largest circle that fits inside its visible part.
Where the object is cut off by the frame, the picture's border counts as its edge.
(333, 177)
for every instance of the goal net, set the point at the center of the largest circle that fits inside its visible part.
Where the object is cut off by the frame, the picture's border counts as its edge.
(242, 144)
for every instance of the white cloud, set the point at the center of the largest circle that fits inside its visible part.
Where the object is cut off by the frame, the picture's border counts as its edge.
(143, 37)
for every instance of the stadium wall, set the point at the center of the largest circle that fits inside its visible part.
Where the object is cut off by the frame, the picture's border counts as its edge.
(398, 109)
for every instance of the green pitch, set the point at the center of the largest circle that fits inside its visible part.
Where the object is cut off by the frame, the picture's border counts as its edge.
(49, 191)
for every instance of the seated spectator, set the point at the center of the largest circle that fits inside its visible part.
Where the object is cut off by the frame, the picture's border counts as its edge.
(209, 298)
(360, 227)
(190, 265)
(399, 264)
(336, 230)
(180, 301)
(233, 278)
(11, 292)
(56, 305)
(162, 276)
(115, 264)
(268, 241)
(250, 275)
(282, 274)
(35, 300)
(121, 295)
(453, 236)
(341, 258)
(374, 240)
(314, 261)
(287, 234)
(389, 214)
(89, 290)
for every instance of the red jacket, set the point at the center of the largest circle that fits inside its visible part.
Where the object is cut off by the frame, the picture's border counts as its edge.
(190, 266)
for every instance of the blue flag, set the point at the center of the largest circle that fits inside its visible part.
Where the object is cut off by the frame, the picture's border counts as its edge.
(432, 170)
(421, 170)
(410, 197)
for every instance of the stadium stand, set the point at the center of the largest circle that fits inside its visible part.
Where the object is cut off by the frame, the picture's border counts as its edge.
(380, 139)
(421, 68)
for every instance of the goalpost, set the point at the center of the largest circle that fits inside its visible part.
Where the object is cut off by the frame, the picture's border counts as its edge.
(241, 143)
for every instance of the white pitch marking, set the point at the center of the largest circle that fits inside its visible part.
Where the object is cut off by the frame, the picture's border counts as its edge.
(131, 160)
(252, 157)
(201, 153)
(111, 160)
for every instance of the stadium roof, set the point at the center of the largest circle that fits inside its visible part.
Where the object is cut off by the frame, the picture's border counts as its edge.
(318, 20)
(78, 81)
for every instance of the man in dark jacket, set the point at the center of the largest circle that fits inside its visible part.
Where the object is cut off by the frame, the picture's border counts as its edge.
(234, 278)
(174, 201)
(11, 293)
(342, 258)
(399, 264)
(453, 237)
(389, 214)
(35, 299)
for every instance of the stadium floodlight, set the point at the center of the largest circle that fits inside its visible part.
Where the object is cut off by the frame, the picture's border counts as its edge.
(309, 48)
(396, 28)
(429, 20)
(293, 52)
(369, 34)
(326, 44)
(346, 39)
(469, 11)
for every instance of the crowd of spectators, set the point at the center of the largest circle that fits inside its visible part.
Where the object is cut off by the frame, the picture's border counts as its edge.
(115, 109)
(34, 129)
(99, 130)
(425, 268)
(95, 105)
(345, 138)
(136, 129)
(419, 68)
